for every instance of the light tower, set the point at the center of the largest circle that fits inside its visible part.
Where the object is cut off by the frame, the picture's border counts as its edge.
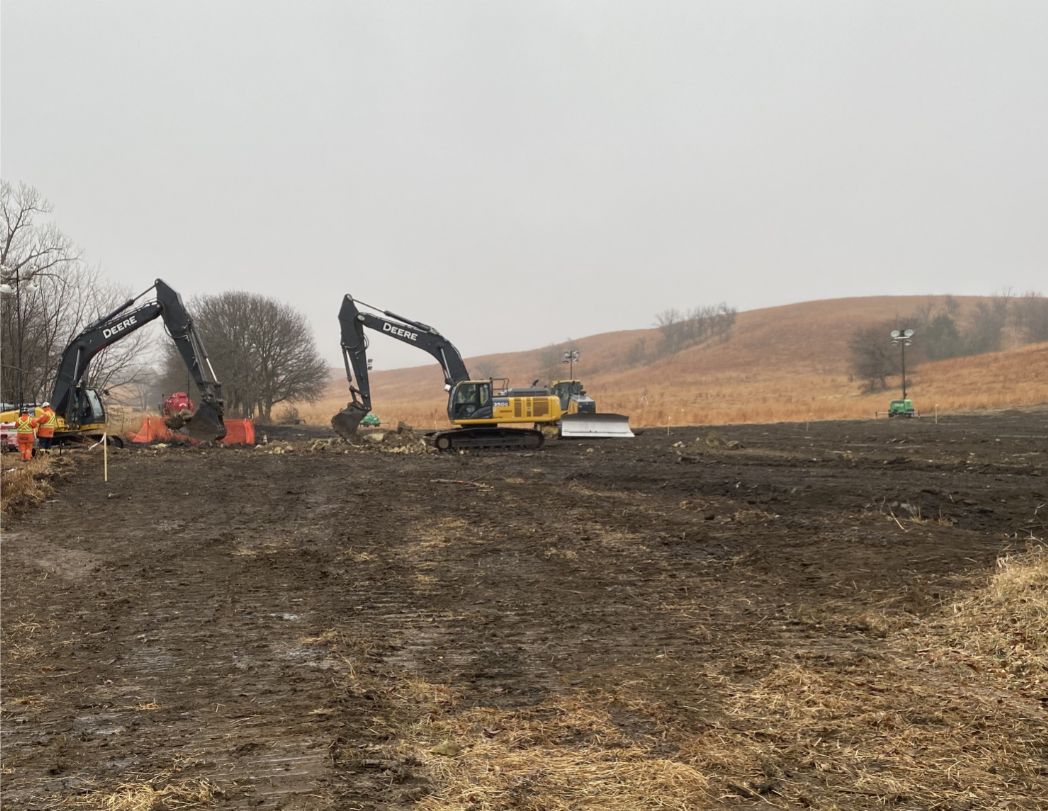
(902, 407)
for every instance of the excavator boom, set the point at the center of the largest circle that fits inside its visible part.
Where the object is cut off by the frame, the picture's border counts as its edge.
(352, 321)
(68, 396)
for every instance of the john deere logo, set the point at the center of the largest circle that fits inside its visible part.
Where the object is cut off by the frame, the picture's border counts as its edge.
(403, 333)
(116, 329)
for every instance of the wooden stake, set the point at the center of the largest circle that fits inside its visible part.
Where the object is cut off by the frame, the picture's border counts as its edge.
(105, 457)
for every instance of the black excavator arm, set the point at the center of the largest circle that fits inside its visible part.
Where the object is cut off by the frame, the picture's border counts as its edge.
(67, 394)
(354, 353)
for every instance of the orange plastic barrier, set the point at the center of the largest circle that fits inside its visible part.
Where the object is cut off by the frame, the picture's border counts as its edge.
(239, 432)
(154, 430)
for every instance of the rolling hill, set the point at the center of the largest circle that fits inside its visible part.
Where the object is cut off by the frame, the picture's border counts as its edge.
(780, 363)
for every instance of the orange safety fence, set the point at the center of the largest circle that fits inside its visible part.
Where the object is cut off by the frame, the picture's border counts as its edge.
(238, 432)
(154, 430)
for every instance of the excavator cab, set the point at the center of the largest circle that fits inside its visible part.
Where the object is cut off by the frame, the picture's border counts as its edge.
(90, 410)
(470, 400)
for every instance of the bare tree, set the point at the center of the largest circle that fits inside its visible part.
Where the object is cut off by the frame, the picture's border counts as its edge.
(700, 324)
(263, 352)
(1031, 316)
(50, 295)
(987, 325)
(672, 325)
(873, 357)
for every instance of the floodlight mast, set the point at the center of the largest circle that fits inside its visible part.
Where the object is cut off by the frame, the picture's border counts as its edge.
(571, 357)
(902, 338)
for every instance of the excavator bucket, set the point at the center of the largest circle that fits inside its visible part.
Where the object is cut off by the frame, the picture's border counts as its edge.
(345, 422)
(205, 425)
(595, 426)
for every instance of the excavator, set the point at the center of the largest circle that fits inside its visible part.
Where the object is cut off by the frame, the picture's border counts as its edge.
(483, 415)
(80, 411)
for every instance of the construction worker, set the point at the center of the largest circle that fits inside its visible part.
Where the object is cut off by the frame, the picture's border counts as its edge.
(25, 427)
(46, 424)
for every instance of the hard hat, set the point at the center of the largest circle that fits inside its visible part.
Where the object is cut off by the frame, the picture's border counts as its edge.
(46, 405)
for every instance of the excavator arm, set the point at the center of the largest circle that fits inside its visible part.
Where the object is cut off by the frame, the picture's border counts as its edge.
(352, 321)
(66, 396)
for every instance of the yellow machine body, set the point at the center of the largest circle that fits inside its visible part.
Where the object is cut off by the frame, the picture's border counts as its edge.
(473, 403)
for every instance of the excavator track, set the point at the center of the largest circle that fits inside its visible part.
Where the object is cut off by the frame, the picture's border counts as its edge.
(483, 438)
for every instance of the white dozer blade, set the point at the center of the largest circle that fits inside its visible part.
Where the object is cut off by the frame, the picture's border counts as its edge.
(595, 426)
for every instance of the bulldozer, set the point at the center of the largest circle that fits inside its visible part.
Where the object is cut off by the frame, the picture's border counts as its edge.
(586, 421)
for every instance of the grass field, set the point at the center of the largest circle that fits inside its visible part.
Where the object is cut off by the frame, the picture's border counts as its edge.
(781, 364)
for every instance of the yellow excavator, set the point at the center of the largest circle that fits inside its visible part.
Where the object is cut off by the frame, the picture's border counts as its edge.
(81, 413)
(486, 418)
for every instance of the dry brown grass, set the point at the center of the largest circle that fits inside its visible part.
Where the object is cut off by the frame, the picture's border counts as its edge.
(152, 795)
(25, 484)
(943, 715)
(1002, 629)
(168, 790)
(782, 364)
(562, 755)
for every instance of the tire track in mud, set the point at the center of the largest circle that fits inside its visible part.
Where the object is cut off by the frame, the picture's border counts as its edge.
(249, 618)
(194, 647)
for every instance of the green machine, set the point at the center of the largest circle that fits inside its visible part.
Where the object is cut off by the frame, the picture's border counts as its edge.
(901, 408)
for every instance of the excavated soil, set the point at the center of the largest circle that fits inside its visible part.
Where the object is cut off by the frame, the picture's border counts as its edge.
(304, 629)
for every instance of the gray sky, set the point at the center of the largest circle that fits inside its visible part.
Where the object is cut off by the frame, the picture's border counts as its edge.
(519, 173)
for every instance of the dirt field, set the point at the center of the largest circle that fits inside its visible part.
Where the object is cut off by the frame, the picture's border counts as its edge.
(732, 617)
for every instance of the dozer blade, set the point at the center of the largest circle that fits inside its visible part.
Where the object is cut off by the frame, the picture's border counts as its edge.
(205, 425)
(595, 426)
(345, 422)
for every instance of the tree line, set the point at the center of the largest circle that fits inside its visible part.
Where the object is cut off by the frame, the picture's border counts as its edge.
(262, 350)
(679, 329)
(942, 331)
(50, 293)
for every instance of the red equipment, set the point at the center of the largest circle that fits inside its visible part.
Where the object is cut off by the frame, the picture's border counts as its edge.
(176, 405)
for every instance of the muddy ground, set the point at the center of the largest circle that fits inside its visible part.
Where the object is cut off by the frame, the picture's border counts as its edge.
(322, 629)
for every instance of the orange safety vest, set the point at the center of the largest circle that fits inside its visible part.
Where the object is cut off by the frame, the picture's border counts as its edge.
(24, 425)
(47, 421)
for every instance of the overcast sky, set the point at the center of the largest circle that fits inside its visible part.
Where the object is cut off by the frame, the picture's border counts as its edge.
(519, 173)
